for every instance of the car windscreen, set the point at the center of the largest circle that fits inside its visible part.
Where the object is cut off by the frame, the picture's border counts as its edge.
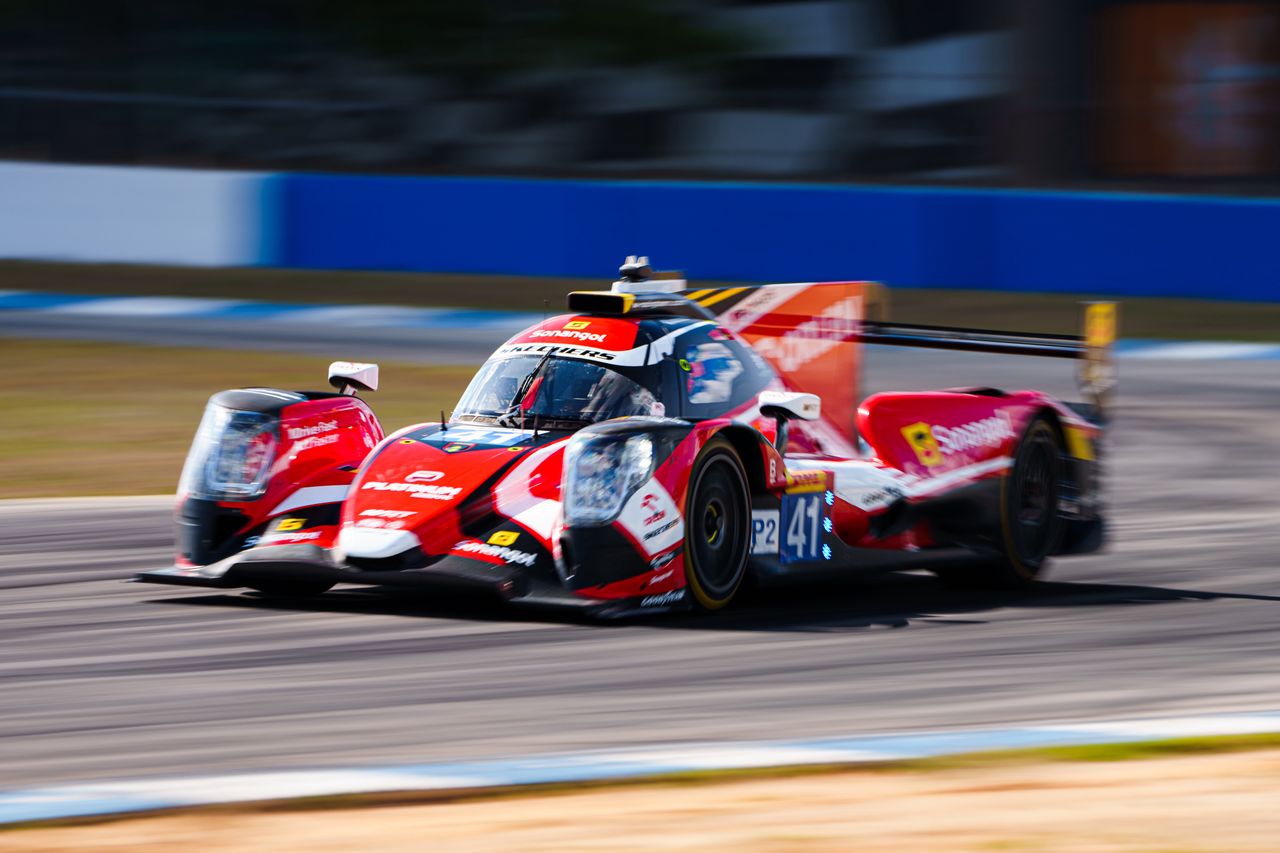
(552, 388)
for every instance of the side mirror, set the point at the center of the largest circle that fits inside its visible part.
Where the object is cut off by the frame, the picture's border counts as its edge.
(352, 376)
(790, 405)
(783, 406)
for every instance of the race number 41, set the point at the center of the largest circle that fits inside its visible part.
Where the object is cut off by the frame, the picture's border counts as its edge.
(801, 527)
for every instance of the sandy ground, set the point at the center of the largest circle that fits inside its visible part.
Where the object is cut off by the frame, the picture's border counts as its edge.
(1203, 803)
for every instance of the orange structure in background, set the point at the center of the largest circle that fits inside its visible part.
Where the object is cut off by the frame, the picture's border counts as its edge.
(1189, 89)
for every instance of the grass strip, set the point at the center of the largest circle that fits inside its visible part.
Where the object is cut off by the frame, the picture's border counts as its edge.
(1187, 319)
(116, 419)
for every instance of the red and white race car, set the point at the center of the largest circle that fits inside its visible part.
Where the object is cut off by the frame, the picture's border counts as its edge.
(654, 448)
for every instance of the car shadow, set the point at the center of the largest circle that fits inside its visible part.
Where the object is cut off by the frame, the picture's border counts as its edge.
(820, 605)
(903, 600)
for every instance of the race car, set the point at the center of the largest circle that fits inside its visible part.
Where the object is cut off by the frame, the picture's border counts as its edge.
(655, 448)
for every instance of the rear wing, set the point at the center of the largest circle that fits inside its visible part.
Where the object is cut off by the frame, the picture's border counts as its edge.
(779, 318)
(1096, 375)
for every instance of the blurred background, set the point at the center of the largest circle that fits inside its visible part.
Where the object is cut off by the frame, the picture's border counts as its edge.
(1093, 93)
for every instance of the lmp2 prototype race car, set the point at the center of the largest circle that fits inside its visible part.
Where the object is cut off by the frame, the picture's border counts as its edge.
(653, 449)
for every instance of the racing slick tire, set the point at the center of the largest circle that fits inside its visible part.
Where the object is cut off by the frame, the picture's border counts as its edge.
(283, 588)
(1030, 526)
(717, 537)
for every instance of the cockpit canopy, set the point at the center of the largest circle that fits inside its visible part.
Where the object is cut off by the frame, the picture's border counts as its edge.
(554, 391)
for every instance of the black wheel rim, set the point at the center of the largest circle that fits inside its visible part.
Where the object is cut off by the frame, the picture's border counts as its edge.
(717, 530)
(1035, 497)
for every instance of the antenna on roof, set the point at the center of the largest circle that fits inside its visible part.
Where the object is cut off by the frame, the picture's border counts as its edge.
(637, 276)
(635, 269)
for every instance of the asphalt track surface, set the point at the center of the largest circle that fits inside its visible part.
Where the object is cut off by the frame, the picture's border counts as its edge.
(104, 679)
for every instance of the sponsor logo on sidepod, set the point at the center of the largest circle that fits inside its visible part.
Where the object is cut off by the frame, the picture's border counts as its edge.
(988, 432)
(933, 443)
(296, 433)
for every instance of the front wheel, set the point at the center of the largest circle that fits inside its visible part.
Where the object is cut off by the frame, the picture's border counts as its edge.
(717, 538)
(1030, 527)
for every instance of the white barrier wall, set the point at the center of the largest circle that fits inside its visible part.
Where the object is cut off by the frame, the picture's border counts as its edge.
(132, 215)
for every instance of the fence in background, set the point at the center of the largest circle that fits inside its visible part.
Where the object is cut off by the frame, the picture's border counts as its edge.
(1132, 245)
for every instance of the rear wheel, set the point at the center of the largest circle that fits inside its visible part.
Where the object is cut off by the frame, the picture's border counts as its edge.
(717, 521)
(1030, 527)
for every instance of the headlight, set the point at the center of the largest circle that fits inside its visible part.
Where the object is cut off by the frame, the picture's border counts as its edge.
(601, 473)
(230, 459)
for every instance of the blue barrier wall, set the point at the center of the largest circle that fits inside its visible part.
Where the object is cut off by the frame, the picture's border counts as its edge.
(1007, 240)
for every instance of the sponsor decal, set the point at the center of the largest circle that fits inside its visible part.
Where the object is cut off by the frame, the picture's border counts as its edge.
(813, 338)
(875, 498)
(417, 490)
(933, 443)
(303, 536)
(296, 433)
(424, 477)
(286, 524)
(806, 481)
(507, 555)
(385, 513)
(466, 437)
(577, 325)
(657, 531)
(504, 537)
(676, 595)
(651, 506)
(660, 561)
(583, 337)
(456, 447)
(315, 441)
(712, 369)
(567, 351)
